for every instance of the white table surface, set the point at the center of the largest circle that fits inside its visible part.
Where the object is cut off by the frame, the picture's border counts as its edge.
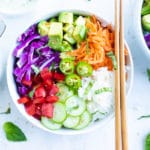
(138, 102)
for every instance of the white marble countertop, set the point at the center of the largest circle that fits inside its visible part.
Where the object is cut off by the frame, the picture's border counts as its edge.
(137, 103)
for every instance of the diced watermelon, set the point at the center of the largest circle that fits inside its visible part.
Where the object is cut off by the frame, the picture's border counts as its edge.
(47, 110)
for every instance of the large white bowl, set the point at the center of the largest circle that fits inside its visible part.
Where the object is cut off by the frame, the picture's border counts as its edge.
(139, 28)
(13, 91)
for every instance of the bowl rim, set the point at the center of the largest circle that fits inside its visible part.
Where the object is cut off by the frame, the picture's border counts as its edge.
(14, 95)
(140, 30)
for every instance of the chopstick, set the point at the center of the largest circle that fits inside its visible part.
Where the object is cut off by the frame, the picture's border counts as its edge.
(117, 81)
(120, 97)
(122, 83)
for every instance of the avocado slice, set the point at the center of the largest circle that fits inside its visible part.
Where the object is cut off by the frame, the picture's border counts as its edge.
(80, 21)
(43, 27)
(55, 35)
(146, 22)
(65, 46)
(79, 33)
(66, 17)
(68, 28)
(69, 38)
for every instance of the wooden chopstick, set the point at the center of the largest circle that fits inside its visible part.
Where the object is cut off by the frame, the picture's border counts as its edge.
(120, 104)
(117, 81)
(122, 83)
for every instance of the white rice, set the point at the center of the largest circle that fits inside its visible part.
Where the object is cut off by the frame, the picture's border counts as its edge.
(101, 102)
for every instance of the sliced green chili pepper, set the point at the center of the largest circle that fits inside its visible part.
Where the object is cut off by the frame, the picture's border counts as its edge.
(84, 69)
(66, 66)
(114, 61)
(73, 81)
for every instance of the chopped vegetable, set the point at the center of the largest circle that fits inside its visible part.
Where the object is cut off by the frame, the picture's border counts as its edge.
(73, 80)
(146, 8)
(106, 89)
(84, 69)
(146, 22)
(66, 66)
(114, 61)
(13, 132)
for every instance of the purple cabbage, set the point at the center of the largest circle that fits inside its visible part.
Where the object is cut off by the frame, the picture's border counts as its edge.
(147, 39)
(32, 49)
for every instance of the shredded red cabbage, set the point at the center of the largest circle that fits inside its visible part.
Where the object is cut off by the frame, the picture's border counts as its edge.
(32, 49)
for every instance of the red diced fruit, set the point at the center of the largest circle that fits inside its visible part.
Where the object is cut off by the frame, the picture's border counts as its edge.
(54, 90)
(38, 100)
(23, 100)
(47, 110)
(26, 82)
(30, 108)
(48, 83)
(52, 99)
(46, 74)
(40, 92)
(58, 76)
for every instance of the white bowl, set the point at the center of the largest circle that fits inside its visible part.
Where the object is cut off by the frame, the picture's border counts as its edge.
(139, 31)
(15, 7)
(13, 91)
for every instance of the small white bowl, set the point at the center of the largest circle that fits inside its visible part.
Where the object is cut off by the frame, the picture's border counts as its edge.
(17, 7)
(139, 31)
(13, 91)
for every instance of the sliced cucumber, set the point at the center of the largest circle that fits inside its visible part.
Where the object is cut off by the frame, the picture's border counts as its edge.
(71, 122)
(63, 92)
(59, 114)
(48, 123)
(75, 106)
(84, 120)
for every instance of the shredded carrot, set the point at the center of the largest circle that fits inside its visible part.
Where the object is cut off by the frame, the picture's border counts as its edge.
(99, 41)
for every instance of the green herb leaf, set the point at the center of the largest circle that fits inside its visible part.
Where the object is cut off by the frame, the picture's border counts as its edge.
(8, 111)
(13, 132)
(148, 73)
(104, 89)
(142, 117)
(147, 142)
(113, 57)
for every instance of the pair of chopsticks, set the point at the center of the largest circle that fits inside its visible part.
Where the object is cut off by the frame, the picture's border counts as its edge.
(120, 97)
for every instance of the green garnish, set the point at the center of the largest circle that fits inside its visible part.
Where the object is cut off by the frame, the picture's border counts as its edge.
(88, 87)
(142, 117)
(8, 111)
(104, 89)
(113, 57)
(13, 132)
(148, 73)
(147, 142)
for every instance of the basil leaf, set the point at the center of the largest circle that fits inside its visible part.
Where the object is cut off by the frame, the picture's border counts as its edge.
(13, 132)
(8, 111)
(148, 73)
(146, 116)
(147, 142)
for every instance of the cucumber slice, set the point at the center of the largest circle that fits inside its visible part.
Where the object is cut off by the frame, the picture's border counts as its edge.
(63, 92)
(59, 114)
(48, 123)
(84, 120)
(71, 122)
(75, 106)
